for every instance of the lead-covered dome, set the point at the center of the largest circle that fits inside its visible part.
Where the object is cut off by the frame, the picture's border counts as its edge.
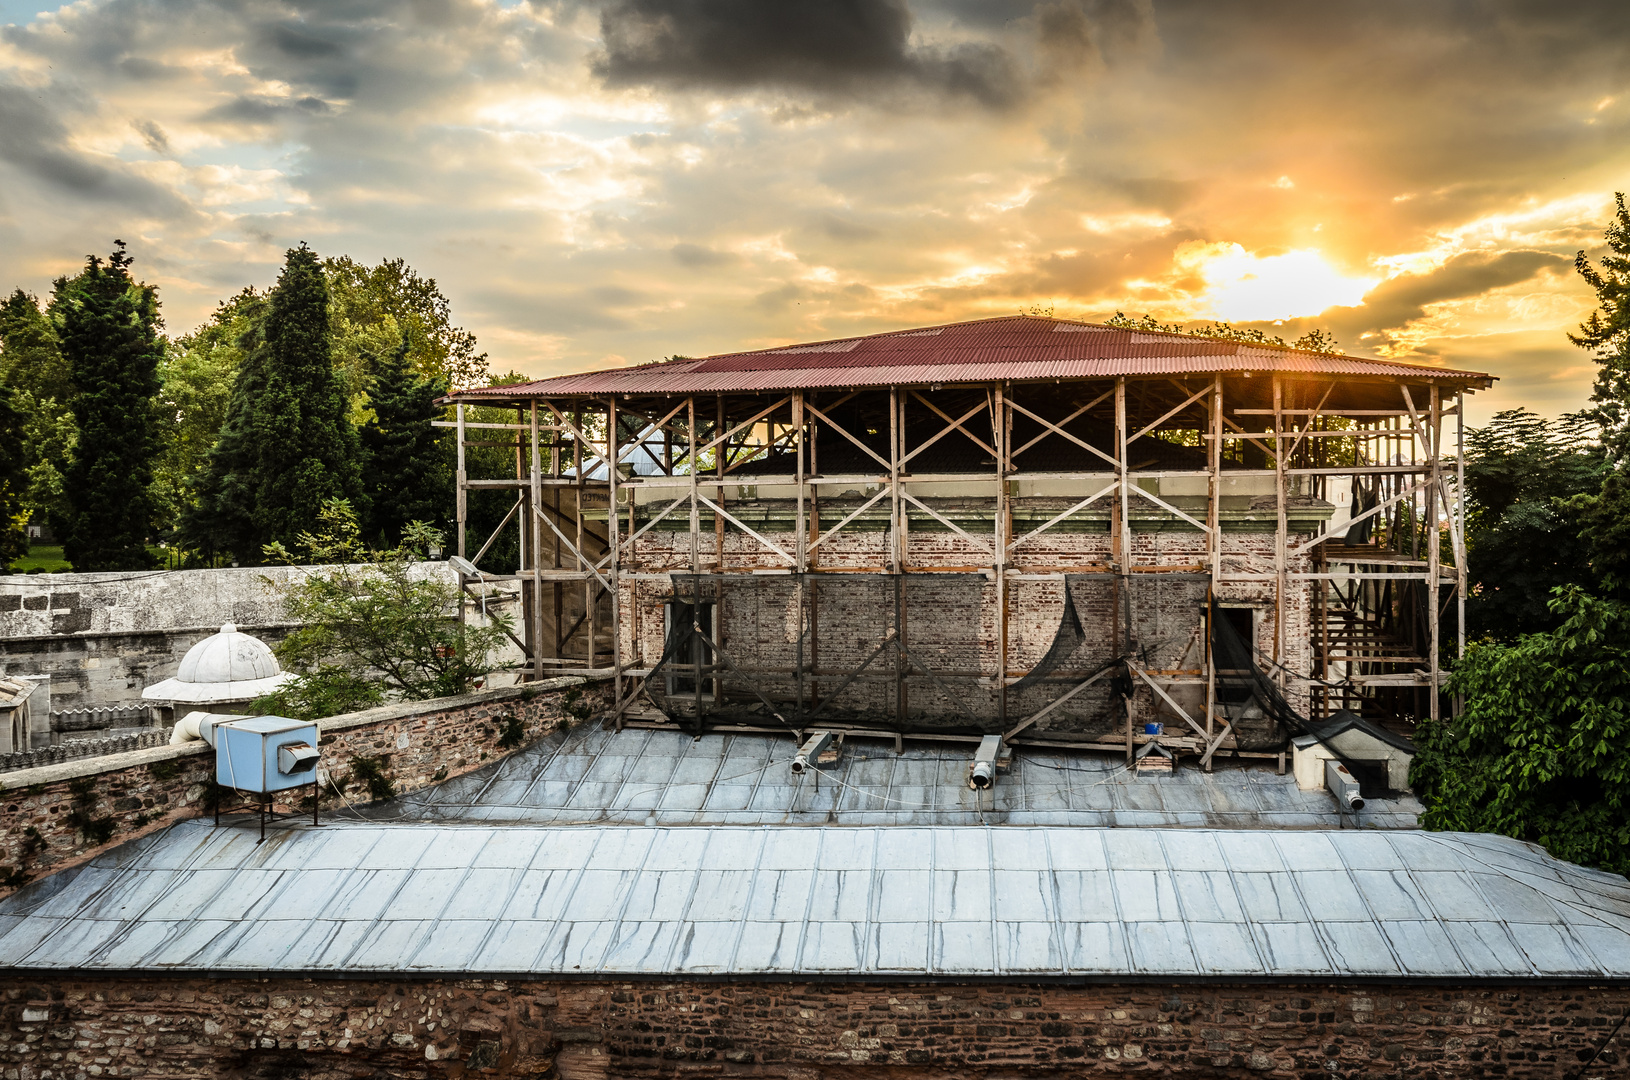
(229, 656)
(228, 666)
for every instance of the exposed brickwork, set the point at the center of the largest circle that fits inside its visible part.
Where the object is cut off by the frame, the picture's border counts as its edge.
(952, 621)
(169, 1028)
(59, 816)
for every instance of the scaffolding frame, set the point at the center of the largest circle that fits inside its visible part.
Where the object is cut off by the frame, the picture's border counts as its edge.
(575, 453)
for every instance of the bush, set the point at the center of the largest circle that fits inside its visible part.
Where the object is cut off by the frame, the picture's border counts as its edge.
(370, 630)
(1542, 751)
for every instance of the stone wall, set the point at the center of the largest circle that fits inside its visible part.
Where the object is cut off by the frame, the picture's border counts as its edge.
(103, 637)
(60, 815)
(326, 1030)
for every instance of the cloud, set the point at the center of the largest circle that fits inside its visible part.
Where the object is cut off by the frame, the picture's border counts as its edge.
(36, 142)
(1398, 300)
(696, 256)
(836, 46)
(152, 135)
(637, 178)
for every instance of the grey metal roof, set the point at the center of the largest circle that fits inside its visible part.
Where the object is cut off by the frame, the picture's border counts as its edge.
(949, 903)
(594, 776)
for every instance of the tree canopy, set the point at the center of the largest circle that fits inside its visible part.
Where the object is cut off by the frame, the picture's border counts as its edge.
(31, 363)
(302, 449)
(407, 464)
(110, 338)
(1522, 539)
(1542, 751)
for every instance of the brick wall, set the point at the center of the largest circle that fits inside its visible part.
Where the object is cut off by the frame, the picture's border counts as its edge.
(952, 620)
(316, 1030)
(60, 815)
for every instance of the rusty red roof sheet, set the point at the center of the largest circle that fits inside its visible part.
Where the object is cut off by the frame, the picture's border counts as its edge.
(1007, 348)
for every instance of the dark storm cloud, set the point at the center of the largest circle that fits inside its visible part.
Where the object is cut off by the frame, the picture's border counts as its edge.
(836, 46)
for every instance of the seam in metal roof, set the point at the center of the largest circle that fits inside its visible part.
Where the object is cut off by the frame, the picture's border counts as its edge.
(943, 903)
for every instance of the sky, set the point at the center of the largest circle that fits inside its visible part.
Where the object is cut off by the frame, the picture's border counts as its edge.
(600, 184)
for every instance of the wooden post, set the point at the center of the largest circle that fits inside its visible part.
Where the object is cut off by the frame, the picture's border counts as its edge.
(691, 465)
(460, 509)
(1434, 493)
(1280, 562)
(800, 551)
(535, 492)
(999, 429)
(1214, 550)
(611, 540)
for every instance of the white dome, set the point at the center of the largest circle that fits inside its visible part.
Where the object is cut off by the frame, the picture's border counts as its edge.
(224, 667)
(228, 657)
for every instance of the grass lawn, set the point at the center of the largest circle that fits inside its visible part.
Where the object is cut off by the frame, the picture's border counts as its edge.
(44, 558)
(47, 559)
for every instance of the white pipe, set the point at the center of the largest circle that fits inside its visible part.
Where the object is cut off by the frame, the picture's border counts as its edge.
(198, 725)
(1343, 785)
(982, 774)
(811, 751)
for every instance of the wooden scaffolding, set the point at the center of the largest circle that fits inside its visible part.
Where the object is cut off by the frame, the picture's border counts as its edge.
(599, 476)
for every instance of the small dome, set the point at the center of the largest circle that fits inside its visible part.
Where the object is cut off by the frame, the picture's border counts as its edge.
(228, 657)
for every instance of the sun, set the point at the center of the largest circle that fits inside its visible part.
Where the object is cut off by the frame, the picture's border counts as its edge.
(1241, 286)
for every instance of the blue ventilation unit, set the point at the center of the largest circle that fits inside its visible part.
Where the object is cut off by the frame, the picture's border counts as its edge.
(263, 754)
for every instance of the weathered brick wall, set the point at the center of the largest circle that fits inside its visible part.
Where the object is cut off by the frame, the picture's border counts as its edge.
(316, 1030)
(61, 815)
(952, 621)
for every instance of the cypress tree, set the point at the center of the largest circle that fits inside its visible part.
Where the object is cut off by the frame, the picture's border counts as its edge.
(304, 449)
(111, 342)
(405, 470)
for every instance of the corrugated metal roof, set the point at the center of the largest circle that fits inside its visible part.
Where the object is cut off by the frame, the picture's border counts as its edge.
(946, 903)
(1010, 348)
(606, 777)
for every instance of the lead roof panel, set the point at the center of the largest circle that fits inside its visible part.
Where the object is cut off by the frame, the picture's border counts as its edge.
(949, 902)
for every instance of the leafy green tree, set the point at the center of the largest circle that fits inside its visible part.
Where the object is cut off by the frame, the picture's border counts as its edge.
(13, 481)
(195, 393)
(1542, 752)
(30, 358)
(1321, 341)
(407, 471)
(110, 337)
(372, 627)
(31, 363)
(1522, 540)
(374, 308)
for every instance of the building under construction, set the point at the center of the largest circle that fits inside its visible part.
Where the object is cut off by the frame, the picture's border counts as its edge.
(1063, 533)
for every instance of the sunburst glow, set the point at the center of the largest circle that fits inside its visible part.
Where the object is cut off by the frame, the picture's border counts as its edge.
(1242, 286)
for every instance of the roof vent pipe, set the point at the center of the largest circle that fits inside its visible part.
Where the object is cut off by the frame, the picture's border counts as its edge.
(1343, 785)
(983, 772)
(811, 751)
